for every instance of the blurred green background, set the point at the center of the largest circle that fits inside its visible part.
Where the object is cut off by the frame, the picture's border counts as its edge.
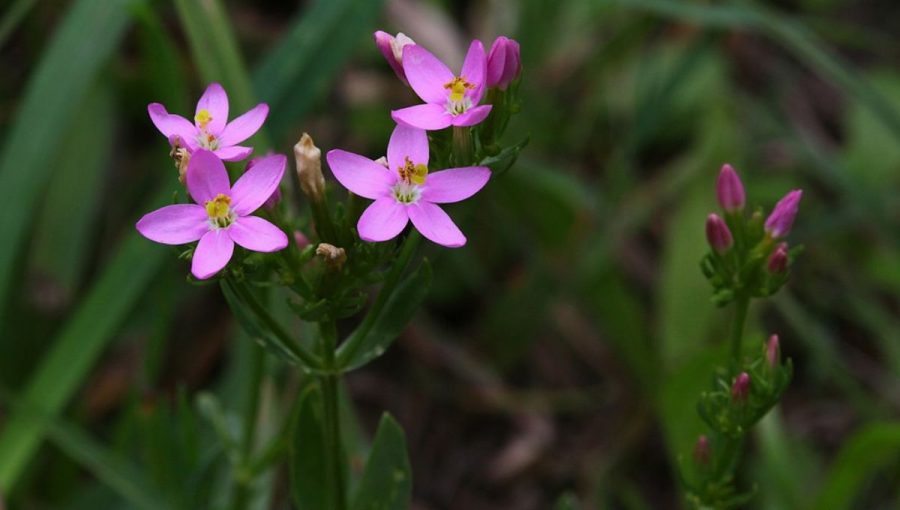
(561, 352)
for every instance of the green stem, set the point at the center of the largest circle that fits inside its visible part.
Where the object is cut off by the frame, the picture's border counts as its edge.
(349, 348)
(463, 151)
(741, 306)
(273, 326)
(241, 486)
(331, 423)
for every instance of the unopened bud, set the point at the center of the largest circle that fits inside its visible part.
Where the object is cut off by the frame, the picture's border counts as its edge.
(718, 235)
(180, 156)
(308, 158)
(300, 240)
(272, 202)
(778, 260)
(392, 49)
(772, 351)
(702, 451)
(504, 63)
(779, 223)
(741, 387)
(730, 189)
(333, 256)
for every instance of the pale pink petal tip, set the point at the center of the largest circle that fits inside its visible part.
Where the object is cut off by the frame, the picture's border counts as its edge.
(435, 224)
(383, 220)
(212, 254)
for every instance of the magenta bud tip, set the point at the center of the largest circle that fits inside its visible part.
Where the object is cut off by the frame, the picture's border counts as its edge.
(730, 189)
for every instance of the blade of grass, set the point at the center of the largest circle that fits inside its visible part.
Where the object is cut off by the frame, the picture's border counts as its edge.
(872, 448)
(327, 32)
(790, 34)
(73, 196)
(13, 16)
(53, 95)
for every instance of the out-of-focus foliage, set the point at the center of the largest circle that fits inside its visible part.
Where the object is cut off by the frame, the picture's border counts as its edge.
(559, 355)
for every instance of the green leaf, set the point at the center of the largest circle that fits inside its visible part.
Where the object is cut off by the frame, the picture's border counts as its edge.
(398, 310)
(871, 449)
(53, 95)
(505, 159)
(387, 481)
(307, 453)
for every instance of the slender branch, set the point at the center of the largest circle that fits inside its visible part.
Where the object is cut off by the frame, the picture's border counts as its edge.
(331, 423)
(741, 305)
(349, 348)
(273, 326)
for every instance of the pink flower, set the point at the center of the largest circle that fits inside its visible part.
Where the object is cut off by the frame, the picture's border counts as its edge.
(504, 63)
(405, 190)
(210, 130)
(392, 49)
(778, 260)
(779, 223)
(221, 215)
(449, 100)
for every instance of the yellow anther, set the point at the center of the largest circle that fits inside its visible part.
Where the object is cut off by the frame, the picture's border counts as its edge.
(413, 173)
(457, 88)
(219, 207)
(203, 118)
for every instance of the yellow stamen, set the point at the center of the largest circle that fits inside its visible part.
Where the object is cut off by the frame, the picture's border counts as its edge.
(412, 173)
(203, 118)
(219, 207)
(457, 88)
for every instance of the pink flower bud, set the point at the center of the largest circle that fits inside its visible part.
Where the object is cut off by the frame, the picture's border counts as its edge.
(772, 351)
(504, 63)
(702, 451)
(718, 235)
(741, 387)
(778, 260)
(392, 49)
(300, 240)
(730, 190)
(779, 223)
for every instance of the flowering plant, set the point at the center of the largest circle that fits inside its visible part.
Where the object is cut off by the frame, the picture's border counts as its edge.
(241, 238)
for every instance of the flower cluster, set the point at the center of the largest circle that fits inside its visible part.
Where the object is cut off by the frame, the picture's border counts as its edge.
(404, 188)
(749, 256)
(220, 216)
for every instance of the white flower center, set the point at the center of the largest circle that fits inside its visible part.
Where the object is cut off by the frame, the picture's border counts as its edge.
(219, 212)
(406, 192)
(457, 101)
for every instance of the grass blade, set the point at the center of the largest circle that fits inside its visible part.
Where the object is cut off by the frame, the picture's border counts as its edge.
(52, 97)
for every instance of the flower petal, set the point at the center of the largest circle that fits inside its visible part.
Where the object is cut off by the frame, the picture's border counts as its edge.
(174, 224)
(215, 101)
(257, 234)
(360, 175)
(172, 125)
(474, 68)
(233, 153)
(213, 251)
(496, 62)
(454, 184)
(435, 225)
(423, 116)
(407, 142)
(244, 126)
(257, 184)
(382, 220)
(426, 74)
(206, 177)
(472, 116)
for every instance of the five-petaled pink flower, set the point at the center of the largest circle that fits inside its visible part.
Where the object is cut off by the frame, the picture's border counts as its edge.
(210, 129)
(449, 100)
(220, 216)
(405, 190)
